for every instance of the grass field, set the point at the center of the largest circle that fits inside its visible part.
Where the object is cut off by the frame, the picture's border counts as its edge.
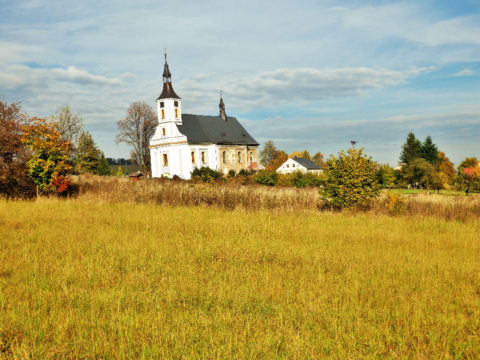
(86, 279)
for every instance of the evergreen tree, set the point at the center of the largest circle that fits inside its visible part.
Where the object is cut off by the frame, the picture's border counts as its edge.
(120, 172)
(429, 151)
(88, 155)
(410, 150)
(103, 167)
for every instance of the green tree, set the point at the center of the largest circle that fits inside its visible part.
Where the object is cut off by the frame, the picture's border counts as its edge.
(429, 151)
(301, 154)
(419, 173)
(410, 150)
(385, 176)
(103, 167)
(88, 155)
(48, 165)
(120, 172)
(350, 180)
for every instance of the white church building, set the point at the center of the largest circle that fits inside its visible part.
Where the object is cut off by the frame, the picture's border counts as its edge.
(183, 142)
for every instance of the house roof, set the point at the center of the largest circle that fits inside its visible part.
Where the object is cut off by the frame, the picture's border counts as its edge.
(309, 164)
(213, 129)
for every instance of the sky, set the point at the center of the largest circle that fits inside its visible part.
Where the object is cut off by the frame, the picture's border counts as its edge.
(306, 74)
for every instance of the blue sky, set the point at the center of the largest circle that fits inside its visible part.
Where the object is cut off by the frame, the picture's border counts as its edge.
(305, 74)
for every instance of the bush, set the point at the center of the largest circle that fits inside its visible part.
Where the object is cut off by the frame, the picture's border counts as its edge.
(206, 174)
(300, 179)
(350, 180)
(266, 177)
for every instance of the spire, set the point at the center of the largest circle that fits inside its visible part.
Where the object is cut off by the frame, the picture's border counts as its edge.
(167, 92)
(221, 106)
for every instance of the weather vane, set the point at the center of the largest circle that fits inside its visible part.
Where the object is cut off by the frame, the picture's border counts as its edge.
(353, 142)
(165, 53)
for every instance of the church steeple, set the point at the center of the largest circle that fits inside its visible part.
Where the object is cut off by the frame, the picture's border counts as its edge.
(167, 92)
(221, 106)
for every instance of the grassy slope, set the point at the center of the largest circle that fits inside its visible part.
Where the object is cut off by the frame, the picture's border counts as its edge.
(86, 280)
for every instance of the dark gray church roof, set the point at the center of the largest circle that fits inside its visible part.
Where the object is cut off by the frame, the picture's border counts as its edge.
(213, 129)
(309, 164)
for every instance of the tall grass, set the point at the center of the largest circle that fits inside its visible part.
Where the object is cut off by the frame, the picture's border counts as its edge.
(86, 279)
(258, 197)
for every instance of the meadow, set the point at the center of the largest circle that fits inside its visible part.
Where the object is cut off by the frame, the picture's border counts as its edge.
(98, 277)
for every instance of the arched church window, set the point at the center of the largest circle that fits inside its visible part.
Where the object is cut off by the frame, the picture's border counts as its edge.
(193, 157)
(239, 155)
(165, 160)
(251, 157)
(224, 157)
(204, 157)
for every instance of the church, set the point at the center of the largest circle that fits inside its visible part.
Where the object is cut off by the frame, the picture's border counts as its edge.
(183, 142)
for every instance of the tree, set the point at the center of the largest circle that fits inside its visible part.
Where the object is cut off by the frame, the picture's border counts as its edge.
(88, 155)
(48, 165)
(471, 162)
(318, 159)
(429, 151)
(419, 173)
(385, 176)
(14, 180)
(279, 157)
(350, 180)
(301, 154)
(445, 166)
(136, 129)
(103, 167)
(68, 124)
(410, 150)
(268, 153)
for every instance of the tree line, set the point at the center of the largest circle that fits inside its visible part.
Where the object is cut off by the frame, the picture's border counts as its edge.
(37, 154)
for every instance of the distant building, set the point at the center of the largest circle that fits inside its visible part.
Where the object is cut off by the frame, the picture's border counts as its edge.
(299, 164)
(183, 142)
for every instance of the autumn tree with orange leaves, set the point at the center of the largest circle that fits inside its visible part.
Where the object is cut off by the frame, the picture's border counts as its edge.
(48, 165)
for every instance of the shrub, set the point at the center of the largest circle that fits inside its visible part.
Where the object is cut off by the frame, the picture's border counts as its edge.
(350, 180)
(266, 177)
(206, 174)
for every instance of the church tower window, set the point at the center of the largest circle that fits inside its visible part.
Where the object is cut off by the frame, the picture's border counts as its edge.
(165, 160)
(164, 132)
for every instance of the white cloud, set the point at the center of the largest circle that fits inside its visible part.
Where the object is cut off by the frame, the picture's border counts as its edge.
(465, 72)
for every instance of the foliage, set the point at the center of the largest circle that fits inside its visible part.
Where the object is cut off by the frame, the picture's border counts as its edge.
(350, 180)
(266, 177)
(48, 165)
(395, 203)
(136, 129)
(206, 174)
(120, 172)
(471, 162)
(231, 173)
(103, 167)
(68, 124)
(469, 181)
(385, 176)
(410, 150)
(419, 173)
(300, 179)
(319, 159)
(14, 180)
(301, 154)
(429, 151)
(267, 154)
(445, 166)
(88, 155)
(280, 157)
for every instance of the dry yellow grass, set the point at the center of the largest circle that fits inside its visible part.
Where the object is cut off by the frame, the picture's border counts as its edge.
(89, 279)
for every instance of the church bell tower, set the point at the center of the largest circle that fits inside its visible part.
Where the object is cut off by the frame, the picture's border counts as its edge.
(169, 104)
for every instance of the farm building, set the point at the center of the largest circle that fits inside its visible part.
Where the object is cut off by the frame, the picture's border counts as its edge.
(183, 142)
(299, 164)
